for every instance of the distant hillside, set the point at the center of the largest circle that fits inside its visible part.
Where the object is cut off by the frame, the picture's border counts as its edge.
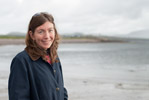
(139, 34)
(16, 34)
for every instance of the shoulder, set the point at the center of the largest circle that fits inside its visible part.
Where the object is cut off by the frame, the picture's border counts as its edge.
(20, 61)
(58, 59)
(58, 62)
(23, 55)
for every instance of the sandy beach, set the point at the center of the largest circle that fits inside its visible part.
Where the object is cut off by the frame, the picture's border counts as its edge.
(95, 89)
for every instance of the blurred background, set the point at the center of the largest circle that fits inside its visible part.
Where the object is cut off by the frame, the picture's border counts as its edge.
(103, 50)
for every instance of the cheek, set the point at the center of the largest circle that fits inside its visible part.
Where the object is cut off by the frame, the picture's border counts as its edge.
(38, 39)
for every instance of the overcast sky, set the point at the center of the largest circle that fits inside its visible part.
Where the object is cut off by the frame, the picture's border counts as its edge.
(88, 16)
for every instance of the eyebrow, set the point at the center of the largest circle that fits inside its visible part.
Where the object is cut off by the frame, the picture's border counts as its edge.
(48, 28)
(44, 29)
(51, 28)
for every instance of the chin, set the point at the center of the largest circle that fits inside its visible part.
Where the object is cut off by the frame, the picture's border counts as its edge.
(46, 47)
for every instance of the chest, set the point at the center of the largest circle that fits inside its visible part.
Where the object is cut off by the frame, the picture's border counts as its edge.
(45, 75)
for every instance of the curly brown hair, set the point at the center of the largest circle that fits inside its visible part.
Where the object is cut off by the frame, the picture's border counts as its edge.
(31, 47)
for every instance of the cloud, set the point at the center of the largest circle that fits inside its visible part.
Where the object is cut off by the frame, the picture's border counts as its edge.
(87, 16)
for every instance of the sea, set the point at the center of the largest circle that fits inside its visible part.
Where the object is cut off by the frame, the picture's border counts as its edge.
(112, 62)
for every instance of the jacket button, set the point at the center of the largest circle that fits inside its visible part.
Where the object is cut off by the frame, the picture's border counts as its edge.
(54, 71)
(57, 89)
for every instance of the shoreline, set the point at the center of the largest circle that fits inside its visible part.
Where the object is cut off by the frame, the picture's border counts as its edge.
(84, 40)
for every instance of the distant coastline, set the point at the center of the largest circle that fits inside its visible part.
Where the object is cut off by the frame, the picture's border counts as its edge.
(16, 41)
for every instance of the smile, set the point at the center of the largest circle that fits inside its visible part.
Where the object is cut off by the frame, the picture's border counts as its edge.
(47, 41)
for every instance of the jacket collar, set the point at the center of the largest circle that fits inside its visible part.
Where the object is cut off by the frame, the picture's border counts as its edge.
(36, 53)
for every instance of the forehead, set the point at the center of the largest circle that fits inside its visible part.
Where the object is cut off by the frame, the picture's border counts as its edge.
(46, 25)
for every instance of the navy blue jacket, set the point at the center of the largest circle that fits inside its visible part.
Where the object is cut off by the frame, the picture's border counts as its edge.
(35, 80)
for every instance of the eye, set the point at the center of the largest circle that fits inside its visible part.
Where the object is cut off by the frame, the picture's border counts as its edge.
(40, 31)
(51, 30)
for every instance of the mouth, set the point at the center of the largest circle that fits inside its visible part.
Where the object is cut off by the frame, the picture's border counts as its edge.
(47, 41)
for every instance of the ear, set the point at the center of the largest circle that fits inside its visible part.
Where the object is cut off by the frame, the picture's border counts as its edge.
(31, 35)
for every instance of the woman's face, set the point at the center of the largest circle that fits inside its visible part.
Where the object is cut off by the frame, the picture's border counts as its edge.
(44, 35)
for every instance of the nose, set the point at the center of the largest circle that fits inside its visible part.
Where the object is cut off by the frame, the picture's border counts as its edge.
(47, 34)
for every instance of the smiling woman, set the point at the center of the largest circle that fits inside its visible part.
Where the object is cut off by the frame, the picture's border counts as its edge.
(44, 35)
(36, 72)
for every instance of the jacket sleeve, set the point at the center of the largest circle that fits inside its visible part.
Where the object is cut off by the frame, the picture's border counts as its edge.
(65, 94)
(18, 84)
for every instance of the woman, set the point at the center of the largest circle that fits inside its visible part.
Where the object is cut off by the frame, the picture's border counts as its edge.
(36, 72)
